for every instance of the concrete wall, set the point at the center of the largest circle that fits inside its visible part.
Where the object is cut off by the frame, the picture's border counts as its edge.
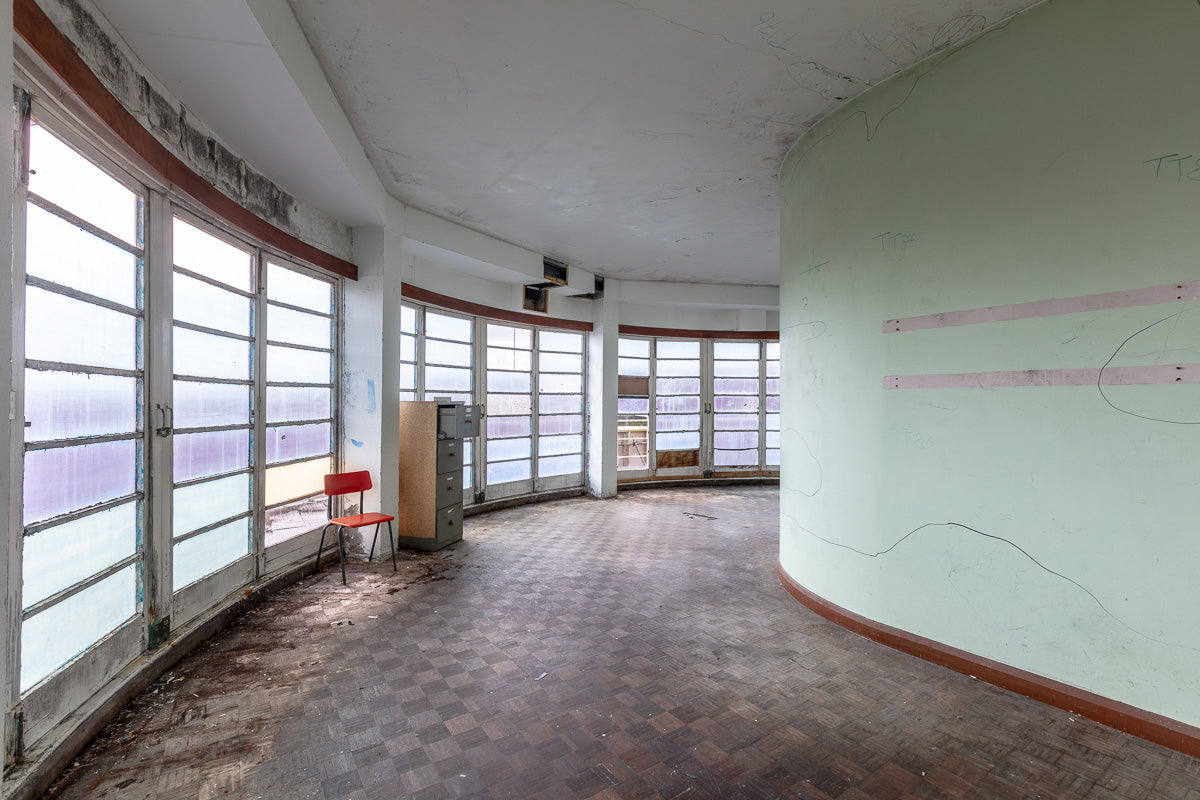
(1043, 519)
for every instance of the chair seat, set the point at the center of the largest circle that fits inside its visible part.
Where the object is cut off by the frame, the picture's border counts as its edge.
(359, 520)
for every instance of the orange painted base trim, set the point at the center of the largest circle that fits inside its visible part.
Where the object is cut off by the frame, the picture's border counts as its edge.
(1144, 724)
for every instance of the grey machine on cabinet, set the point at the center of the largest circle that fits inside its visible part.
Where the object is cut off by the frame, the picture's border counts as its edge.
(431, 469)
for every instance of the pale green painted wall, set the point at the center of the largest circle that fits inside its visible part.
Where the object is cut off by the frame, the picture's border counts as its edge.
(1017, 164)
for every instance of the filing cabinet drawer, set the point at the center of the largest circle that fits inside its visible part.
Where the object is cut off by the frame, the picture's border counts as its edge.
(449, 489)
(449, 455)
(449, 523)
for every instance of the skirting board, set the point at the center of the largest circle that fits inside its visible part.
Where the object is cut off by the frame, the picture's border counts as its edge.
(1138, 722)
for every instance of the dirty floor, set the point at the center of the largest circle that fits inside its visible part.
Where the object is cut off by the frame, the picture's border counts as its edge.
(634, 648)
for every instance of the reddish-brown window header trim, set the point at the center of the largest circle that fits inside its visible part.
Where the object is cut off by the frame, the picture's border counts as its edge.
(32, 25)
(449, 303)
(682, 333)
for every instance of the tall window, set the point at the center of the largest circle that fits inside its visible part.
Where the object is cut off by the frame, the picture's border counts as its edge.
(771, 405)
(83, 483)
(736, 385)
(509, 404)
(560, 403)
(677, 401)
(633, 404)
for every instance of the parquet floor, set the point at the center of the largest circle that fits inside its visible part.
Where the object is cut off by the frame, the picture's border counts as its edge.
(634, 648)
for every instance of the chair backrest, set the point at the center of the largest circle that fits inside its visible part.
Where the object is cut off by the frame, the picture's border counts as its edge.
(346, 482)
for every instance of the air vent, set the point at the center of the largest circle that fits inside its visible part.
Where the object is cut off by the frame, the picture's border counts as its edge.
(554, 271)
(535, 298)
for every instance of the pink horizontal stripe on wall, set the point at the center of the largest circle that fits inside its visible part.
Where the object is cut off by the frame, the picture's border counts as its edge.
(1153, 295)
(1090, 376)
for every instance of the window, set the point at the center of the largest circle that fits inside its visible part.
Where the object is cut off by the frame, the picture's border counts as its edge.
(633, 404)
(677, 396)
(771, 405)
(736, 385)
(560, 403)
(509, 404)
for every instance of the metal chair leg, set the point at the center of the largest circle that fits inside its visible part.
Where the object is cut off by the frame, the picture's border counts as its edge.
(342, 552)
(392, 542)
(371, 555)
(320, 547)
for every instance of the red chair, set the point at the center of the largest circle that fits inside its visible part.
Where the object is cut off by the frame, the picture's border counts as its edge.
(341, 483)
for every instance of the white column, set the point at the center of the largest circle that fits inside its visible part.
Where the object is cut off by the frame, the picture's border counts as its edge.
(370, 386)
(602, 393)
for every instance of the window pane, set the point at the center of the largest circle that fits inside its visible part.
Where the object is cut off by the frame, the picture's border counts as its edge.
(508, 449)
(203, 504)
(509, 404)
(636, 367)
(508, 471)
(735, 440)
(296, 480)
(508, 381)
(560, 403)
(677, 386)
(677, 405)
(560, 465)
(561, 342)
(633, 405)
(56, 250)
(204, 554)
(58, 634)
(633, 348)
(451, 353)
(735, 458)
(668, 349)
(206, 355)
(293, 519)
(448, 379)
(502, 358)
(408, 378)
(773, 458)
(286, 403)
(440, 326)
(408, 319)
(287, 364)
(548, 426)
(772, 422)
(735, 422)
(504, 336)
(773, 439)
(736, 386)
(677, 422)
(63, 405)
(559, 445)
(58, 557)
(296, 327)
(773, 403)
(669, 369)
(67, 179)
(65, 479)
(205, 254)
(408, 348)
(560, 362)
(59, 328)
(204, 304)
(772, 369)
(287, 443)
(201, 405)
(739, 350)
(198, 455)
(560, 384)
(735, 369)
(288, 286)
(677, 441)
(773, 350)
(498, 427)
(747, 402)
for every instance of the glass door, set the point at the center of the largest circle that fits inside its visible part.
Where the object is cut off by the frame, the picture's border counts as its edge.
(677, 408)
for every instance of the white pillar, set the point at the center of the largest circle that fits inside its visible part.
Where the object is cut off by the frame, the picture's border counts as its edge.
(602, 393)
(370, 386)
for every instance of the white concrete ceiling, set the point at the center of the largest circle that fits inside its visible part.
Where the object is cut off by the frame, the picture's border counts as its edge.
(638, 139)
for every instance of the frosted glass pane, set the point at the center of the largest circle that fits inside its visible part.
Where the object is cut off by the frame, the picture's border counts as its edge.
(735, 369)
(735, 422)
(677, 405)
(448, 379)
(508, 449)
(58, 251)
(559, 445)
(206, 355)
(561, 342)
(287, 443)
(408, 348)
(677, 422)
(67, 179)
(773, 458)
(772, 422)
(772, 369)
(735, 440)
(560, 403)
(408, 377)
(736, 458)
(678, 350)
(201, 303)
(465, 399)
(636, 367)
(560, 362)
(286, 403)
(296, 327)
(205, 554)
(205, 254)
(451, 353)
(409, 395)
(548, 426)
(287, 364)
(509, 381)
(735, 386)
(289, 286)
(560, 384)
(467, 477)
(64, 555)
(201, 405)
(440, 326)
(773, 403)
(677, 441)
(736, 403)
(737, 350)
(773, 350)
(203, 504)
(560, 465)
(66, 479)
(772, 439)
(58, 328)
(668, 369)
(502, 358)
(509, 404)
(63, 405)
(198, 455)
(466, 451)
(678, 386)
(633, 405)
(296, 480)
(408, 319)
(504, 336)
(773, 386)
(633, 348)
(58, 634)
(508, 471)
(498, 427)
(293, 519)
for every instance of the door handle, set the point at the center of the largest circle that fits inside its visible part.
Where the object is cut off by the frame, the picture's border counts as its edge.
(168, 420)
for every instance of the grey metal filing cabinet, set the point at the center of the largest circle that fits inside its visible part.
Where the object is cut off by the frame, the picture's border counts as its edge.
(431, 464)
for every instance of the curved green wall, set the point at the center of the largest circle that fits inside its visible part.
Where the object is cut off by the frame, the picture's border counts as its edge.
(1023, 166)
